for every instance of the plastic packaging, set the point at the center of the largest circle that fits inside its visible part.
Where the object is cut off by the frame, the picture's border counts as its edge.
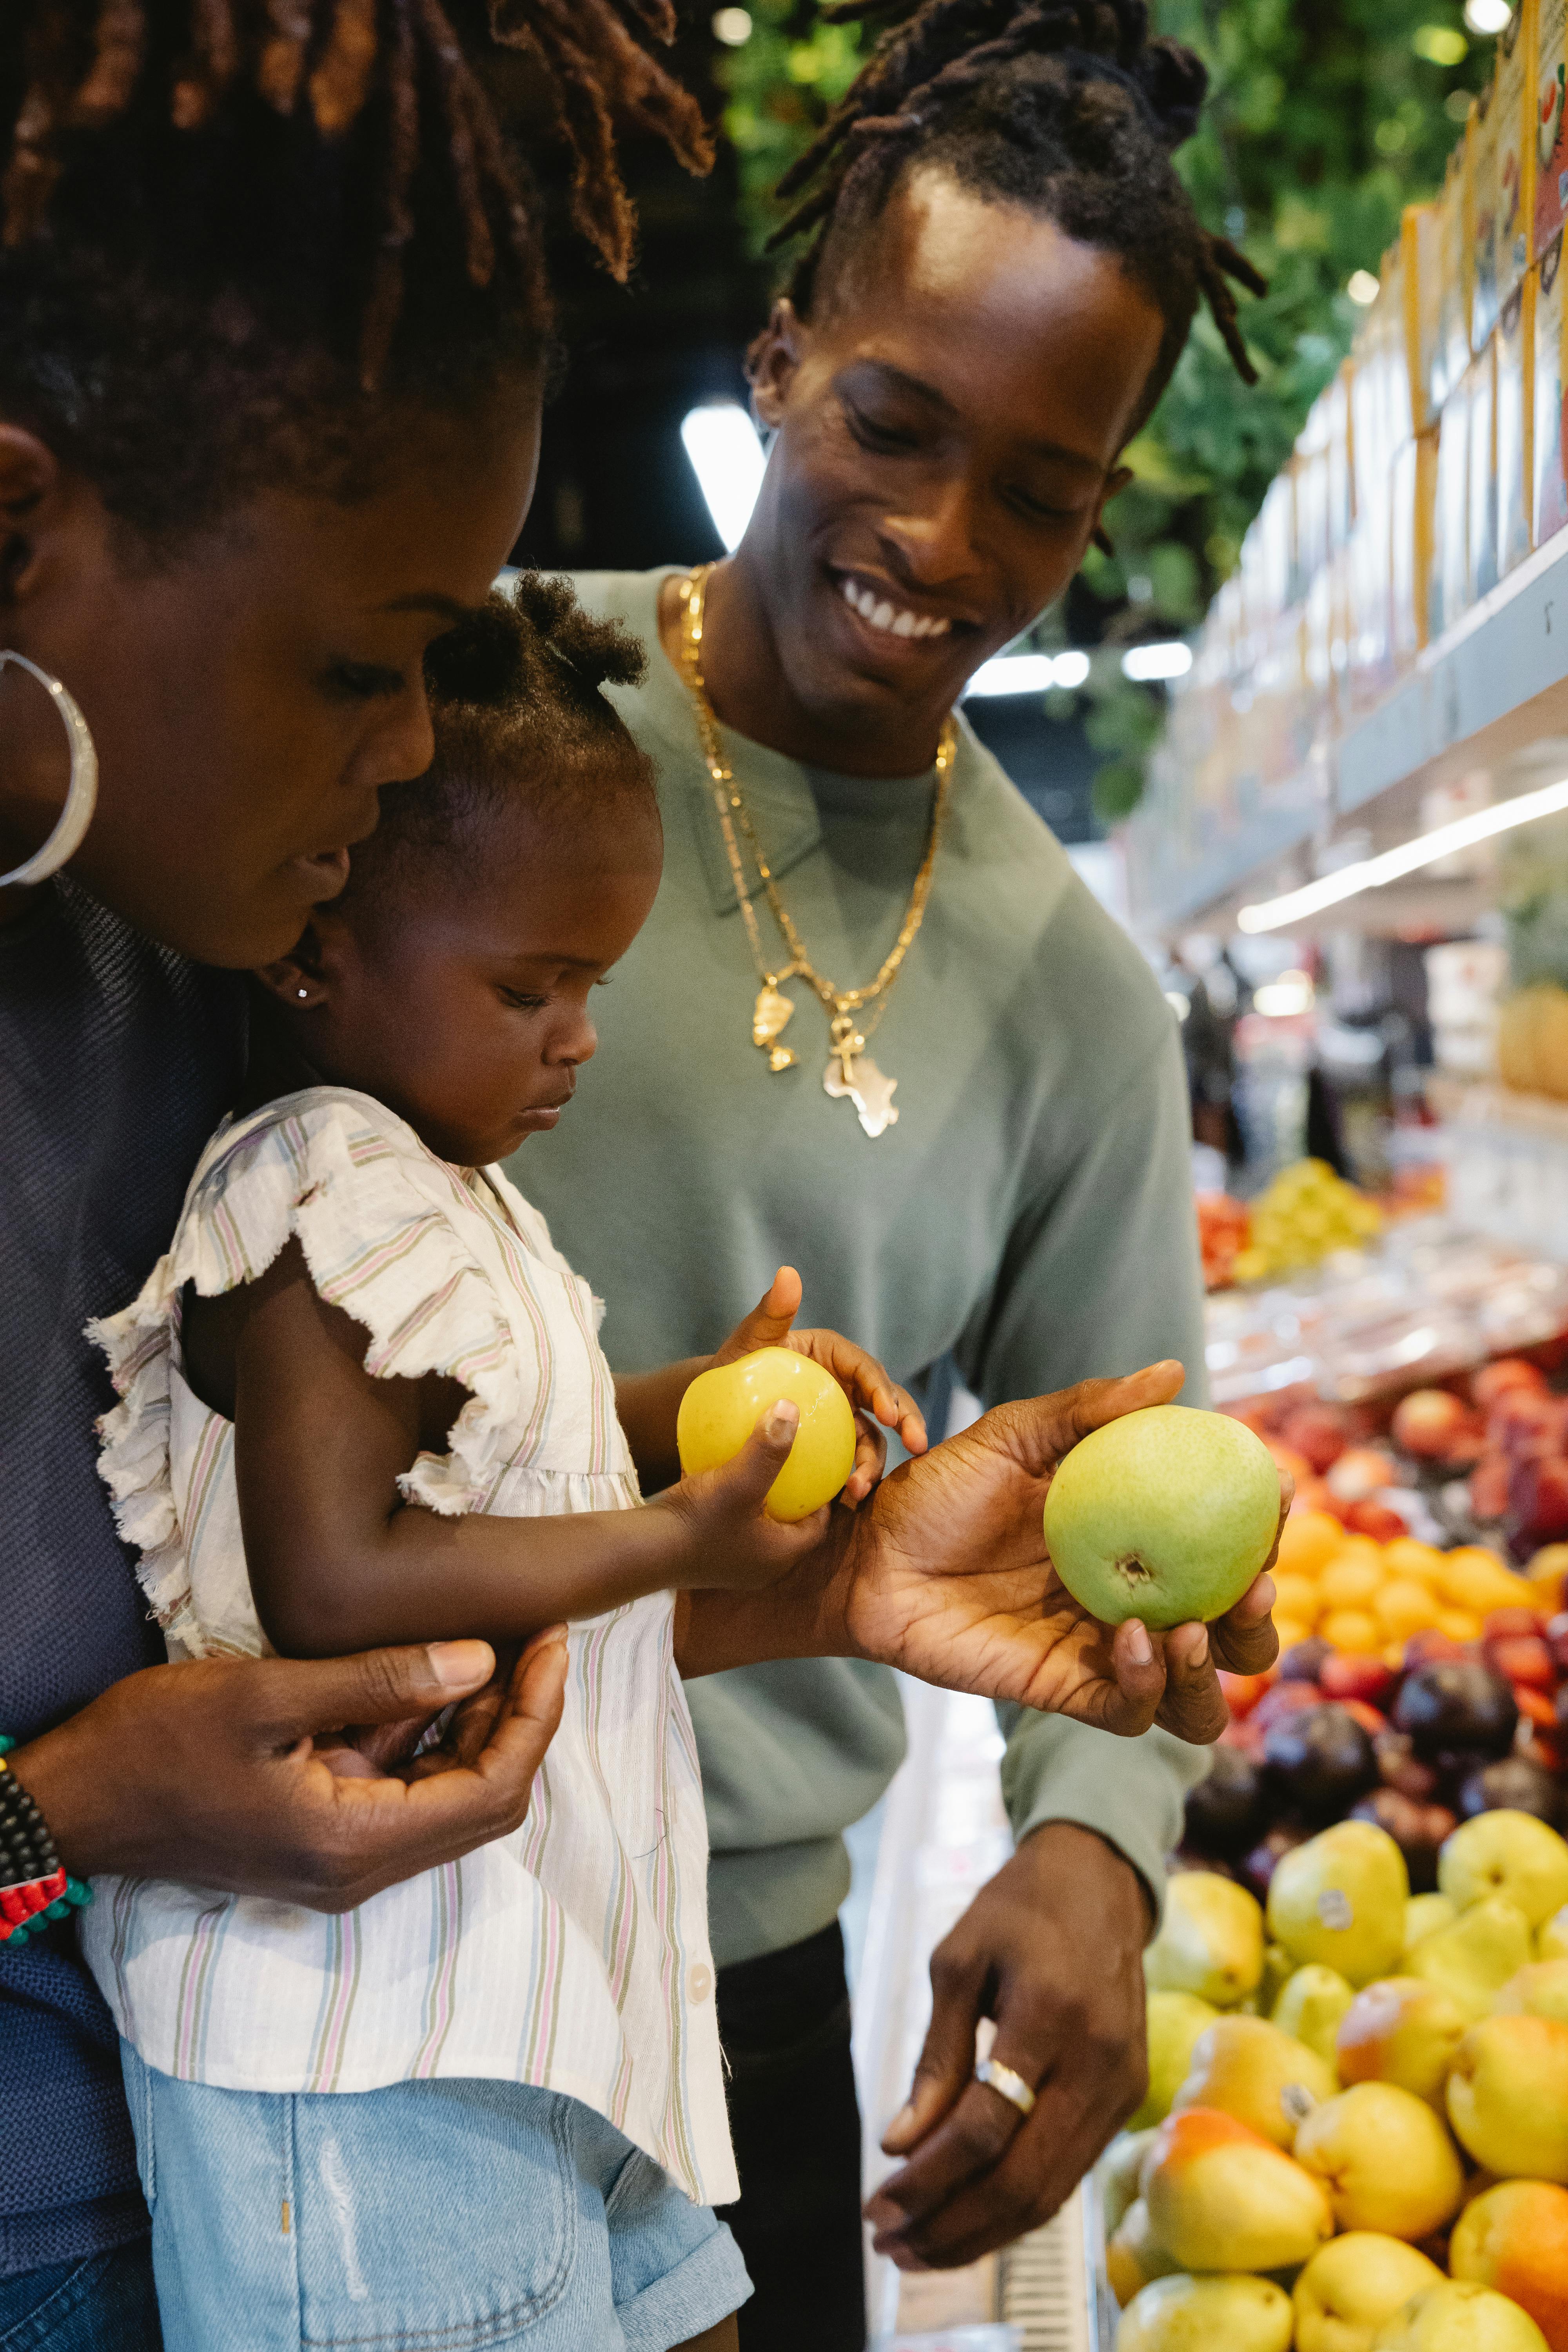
(1551, 122)
(1516, 69)
(1481, 384)
(1515, 403)
(1483, 159)
(1550, 471)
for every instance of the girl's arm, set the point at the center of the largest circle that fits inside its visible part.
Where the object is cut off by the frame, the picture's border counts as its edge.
(339, 1562)
(649, 1403)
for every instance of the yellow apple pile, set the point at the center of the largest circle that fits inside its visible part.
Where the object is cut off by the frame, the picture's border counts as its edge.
(1306, 1212)
(1356, 2137)
(1369, 1598)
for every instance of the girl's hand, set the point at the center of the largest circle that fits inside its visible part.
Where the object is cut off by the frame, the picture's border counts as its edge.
(875, 1397)
(726, 1540)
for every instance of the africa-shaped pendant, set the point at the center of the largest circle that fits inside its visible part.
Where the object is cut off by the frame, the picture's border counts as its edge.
(856, 1078)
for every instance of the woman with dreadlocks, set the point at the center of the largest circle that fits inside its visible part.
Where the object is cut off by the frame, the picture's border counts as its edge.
(877, 1027)
(273, 324)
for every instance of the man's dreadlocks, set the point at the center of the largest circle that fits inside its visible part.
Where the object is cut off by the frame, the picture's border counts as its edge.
(1066, 107)
(236, 232)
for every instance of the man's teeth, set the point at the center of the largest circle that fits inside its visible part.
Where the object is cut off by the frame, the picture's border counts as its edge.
(883, 615)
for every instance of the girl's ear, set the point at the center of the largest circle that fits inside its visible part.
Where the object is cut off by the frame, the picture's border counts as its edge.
(770, 365)
(299, 979)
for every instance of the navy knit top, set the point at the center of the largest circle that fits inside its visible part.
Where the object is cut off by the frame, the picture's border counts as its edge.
(117, 1061)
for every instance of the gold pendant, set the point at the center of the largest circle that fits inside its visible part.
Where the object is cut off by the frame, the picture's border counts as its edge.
(855, 1078)
(770, 1015)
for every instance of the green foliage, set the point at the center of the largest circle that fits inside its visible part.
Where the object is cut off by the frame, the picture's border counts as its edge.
(1326, 116)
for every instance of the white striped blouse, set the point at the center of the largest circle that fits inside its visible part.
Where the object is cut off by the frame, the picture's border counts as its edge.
(573, 1954)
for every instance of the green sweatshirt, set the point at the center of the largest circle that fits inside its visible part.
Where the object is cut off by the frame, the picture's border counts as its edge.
(1031, 1211)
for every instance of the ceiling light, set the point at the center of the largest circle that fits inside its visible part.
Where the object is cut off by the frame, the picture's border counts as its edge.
(1069, 670)
(1362, 287)
(1170, 658)
(1487, 16)
(734, 26)
(1371, 872)
(727, 458)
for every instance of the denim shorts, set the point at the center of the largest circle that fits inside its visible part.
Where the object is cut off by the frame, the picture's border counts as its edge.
(426, 2217)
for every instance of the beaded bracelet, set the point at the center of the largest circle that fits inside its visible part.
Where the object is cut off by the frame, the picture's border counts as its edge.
(34, 1889)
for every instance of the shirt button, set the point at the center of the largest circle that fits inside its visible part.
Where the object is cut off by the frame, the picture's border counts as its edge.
(700, 1981)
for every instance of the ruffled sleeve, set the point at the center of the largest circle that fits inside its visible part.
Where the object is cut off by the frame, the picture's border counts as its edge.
(381, 1222)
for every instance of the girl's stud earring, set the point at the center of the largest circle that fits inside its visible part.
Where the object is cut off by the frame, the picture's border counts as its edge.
(301, 991)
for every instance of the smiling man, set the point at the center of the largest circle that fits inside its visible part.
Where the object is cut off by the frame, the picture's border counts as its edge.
(877, 1029)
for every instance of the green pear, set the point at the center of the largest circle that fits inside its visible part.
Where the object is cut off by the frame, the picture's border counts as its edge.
(1210, 1940)
(1116, 2176)
(1206, 2315)
(1264, 2077)
(1538, 1990)
(1176, 2022)
(1474, 1958)
(1508, 2096)
(1167, 1514)
(1310, 2004)
(1385, 2159)
(1339, 1899)
(1458, 2317)
(1220, 2197)
(1423, 1915)
(1506, 1853)
(1351, 2285)
(1132, 2256)
(1403, 2031)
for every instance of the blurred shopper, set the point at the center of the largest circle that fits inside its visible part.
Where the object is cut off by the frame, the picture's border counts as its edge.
(876, 1027)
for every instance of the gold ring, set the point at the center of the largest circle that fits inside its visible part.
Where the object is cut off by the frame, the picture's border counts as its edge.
(1013, 2087)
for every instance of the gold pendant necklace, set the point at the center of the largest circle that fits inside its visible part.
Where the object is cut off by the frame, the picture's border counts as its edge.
(851, 1074)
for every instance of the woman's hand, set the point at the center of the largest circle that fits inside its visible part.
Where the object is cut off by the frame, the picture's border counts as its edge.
(208, 1773)
(876, 1397)
(945, 1574)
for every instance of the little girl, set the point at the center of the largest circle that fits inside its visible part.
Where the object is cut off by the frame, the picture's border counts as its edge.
(363, 1401)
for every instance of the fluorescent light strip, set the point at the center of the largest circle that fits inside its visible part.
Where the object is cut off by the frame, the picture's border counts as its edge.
(1371, 872)
(1169, 658)
(1028, 673)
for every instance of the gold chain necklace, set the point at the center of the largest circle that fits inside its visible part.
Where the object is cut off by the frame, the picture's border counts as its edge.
(851, 1074)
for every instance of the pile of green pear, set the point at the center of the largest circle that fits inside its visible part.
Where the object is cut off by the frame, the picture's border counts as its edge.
(1356, 2136)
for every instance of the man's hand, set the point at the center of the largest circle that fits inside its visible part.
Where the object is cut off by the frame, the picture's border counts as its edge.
(949, 1578)
(944, 1573)
(208, 1773)
(1052, 1949)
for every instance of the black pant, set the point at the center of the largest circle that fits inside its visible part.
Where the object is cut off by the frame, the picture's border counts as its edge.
(784, 2021)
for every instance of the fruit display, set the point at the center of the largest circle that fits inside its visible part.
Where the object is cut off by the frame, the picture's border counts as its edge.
(1305, 1215)
(1167, 1514)
(1222, 1225)
(1368, 2148)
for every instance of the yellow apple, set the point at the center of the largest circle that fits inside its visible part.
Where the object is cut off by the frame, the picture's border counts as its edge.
(1210, 1940)
(1506, 1853)
(1175, 2020)
(1250, 2069)
(1131, 2256)
(1401, 2030)
(1116, 2176)
(1459, 2317)
(1538, 1990)
(1423, 1915)
(1508, 2096)
(1207, 2315)
(1515, 2238)
(1385, 2159)
(1340, 1899)
(1310, 2004)
(722, 1407)
(1473, 1960)
(1223, 2198)
(1351, 2285)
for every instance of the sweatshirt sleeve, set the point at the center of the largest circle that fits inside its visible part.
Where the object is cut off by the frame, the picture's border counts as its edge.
(1101, 1274)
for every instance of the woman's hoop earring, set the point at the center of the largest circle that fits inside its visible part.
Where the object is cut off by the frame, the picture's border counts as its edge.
(82, 797)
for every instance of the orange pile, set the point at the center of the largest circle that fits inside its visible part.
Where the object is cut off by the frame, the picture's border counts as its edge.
(1368, 1598)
